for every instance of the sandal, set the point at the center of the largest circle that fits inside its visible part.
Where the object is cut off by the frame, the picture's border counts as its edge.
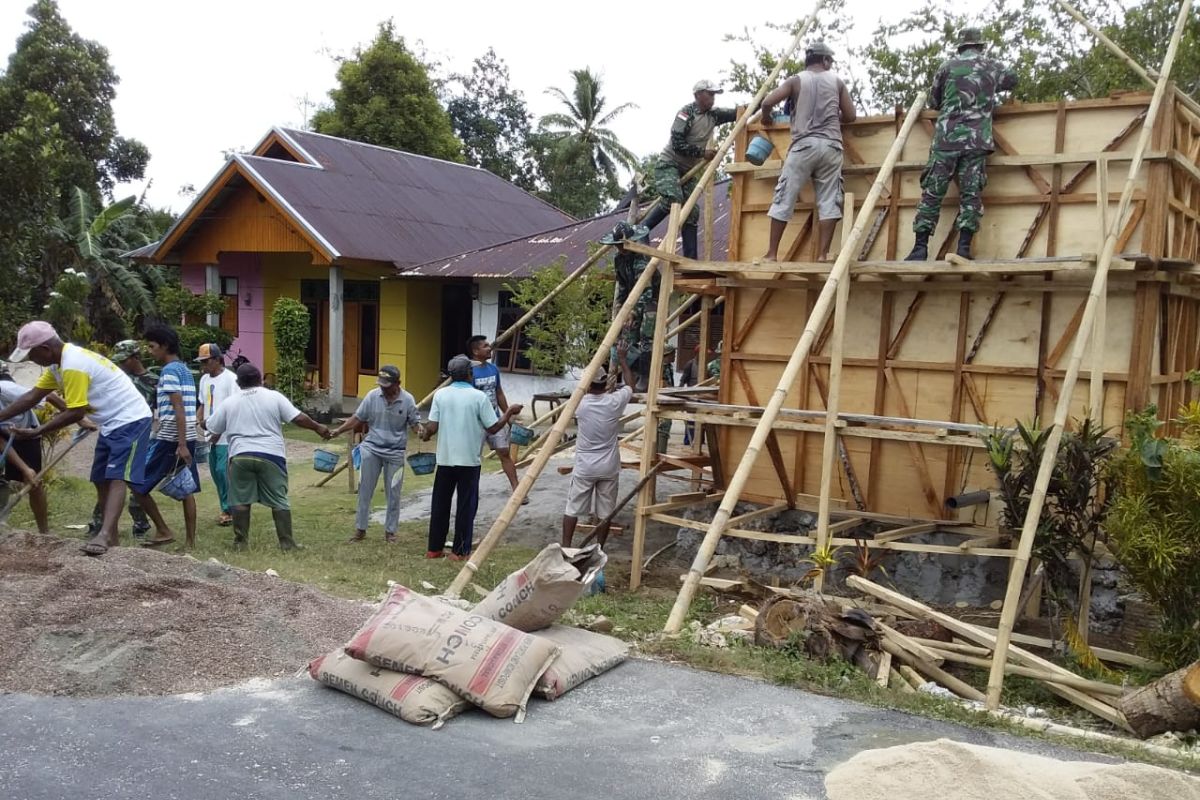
(224, 521)
(93, 549)
(158, 542)
(389, 538)
(359, 536)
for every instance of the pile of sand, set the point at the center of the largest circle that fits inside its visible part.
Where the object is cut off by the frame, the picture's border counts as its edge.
(946, 769)
(142, 622)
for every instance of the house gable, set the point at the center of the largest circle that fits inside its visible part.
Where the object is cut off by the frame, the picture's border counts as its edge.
(245, 221)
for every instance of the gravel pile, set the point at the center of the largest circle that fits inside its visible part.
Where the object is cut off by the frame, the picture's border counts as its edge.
(142, 622)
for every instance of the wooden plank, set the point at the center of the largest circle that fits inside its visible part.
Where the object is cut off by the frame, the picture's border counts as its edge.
(918, 455)
(773, 448)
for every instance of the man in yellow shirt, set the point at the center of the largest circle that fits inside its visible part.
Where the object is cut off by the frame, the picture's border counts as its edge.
(92, 385)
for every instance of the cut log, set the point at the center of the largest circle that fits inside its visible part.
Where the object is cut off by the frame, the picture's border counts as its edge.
(1171, 703)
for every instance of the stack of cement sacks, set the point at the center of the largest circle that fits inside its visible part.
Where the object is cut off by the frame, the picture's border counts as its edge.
(427, 661)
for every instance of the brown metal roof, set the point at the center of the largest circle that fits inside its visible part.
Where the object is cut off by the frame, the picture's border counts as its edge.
(519, 257)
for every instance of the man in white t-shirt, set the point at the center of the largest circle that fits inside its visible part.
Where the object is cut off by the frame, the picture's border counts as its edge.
(217, 384)
(252, 420)
(90, 385)
(597, 455)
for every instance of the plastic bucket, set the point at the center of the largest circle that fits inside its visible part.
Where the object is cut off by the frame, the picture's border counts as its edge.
(422, 463)
(179, 485)
(519, 434)
(759, 149)
(324, 461)
(356, 456)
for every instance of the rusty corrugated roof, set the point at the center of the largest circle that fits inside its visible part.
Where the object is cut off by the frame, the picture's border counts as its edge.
(519, 257)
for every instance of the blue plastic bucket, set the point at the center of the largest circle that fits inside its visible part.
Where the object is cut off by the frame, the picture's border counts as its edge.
(179, 485)
(759, 149)
(519, 434)
(324, 461)
(422, 463)
(356, 456)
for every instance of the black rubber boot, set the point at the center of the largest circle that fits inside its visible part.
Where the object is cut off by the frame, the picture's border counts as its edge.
(283, 529)
(964, 243)
(691, 235)
(920, 251)
(241, 527)
(656, 215)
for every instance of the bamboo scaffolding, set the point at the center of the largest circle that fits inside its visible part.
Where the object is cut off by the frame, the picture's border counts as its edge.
(816, 321)
(1037, 500)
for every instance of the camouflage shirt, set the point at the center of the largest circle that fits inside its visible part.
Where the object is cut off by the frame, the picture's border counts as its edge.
(964, 93)
(691, 133)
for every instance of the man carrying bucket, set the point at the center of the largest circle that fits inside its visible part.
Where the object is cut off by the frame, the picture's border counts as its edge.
(820, 106)
(486, 378)
(252, 420)
(460, 415)
(388, 412)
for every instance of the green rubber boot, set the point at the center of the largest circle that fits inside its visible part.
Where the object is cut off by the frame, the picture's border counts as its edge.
(283, 529)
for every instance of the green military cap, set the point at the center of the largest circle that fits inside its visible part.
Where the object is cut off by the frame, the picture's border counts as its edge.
(970, 37)
(124, 349)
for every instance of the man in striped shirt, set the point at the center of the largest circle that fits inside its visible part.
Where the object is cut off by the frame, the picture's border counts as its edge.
(174, 444)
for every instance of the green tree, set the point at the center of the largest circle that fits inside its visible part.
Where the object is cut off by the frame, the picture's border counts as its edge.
(53, 62)
(568, 330)
(582, 130)
(567, 178)
(493, 121)
(385, 97)
(289, 320)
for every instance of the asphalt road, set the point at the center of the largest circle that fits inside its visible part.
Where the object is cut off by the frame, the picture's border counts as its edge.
(645, 730)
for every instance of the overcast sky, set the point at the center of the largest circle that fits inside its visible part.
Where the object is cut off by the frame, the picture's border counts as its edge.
(199, 78)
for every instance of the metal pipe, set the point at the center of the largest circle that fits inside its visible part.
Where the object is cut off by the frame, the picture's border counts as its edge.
(968, 499)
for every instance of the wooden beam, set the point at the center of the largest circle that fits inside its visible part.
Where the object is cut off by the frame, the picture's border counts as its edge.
(773, 448)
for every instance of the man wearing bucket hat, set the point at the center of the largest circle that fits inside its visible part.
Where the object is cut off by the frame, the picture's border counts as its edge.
(89, 384)
(486, 378)
(964, 94)
(690, 144)
(388, 412)
(252, 420)
(820, 105)
(460, 415)
(638, 330)
(173, 448)
(597, 469)
(217, 385)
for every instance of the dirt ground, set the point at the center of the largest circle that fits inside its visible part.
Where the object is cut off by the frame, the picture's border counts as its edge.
(142, 622)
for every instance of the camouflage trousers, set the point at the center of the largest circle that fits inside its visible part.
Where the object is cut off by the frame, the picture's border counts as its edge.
(969, 170)
(671, 190)
(638, 333)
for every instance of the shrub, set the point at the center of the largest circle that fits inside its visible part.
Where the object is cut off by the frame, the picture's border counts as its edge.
(1153, 527)
(568, 330)
(289, 318)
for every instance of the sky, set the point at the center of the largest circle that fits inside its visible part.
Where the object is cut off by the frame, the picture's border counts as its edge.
(198, 79)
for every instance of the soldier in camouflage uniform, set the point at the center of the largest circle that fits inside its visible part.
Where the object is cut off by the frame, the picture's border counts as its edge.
(964, 94)
(638, 330)
(690, 143)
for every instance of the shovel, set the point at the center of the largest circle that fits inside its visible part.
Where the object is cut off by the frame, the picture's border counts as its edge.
(79, 436)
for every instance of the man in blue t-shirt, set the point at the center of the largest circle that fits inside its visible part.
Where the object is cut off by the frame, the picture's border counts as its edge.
(487, 380)
(174, 444)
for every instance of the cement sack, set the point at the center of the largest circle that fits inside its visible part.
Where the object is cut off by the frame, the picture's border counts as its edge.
(412, 698)
(490, 664)
(584, 656)
(536, 595)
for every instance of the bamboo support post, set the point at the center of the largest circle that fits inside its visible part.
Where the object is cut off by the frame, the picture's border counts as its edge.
(646, 466)
(1038, 497)
(706, 306)
(684, 325)
(492, 537)
(833, 398)
(1096, 389)
(1149, 76)
(799, 358)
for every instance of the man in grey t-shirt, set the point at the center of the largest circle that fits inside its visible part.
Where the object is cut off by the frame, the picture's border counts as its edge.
(388, 412)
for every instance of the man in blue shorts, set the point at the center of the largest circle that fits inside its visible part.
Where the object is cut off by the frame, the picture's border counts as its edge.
(174, 445)
(89, 384)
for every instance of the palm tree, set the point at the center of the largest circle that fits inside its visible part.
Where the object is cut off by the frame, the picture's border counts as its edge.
(582, 130)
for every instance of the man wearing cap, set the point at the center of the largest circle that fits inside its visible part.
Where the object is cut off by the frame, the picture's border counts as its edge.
(597, 455)
(690, 144)
(460, 415)
(89, 384)
(388, 412)
(964, 94)
(217, 385)
(252, 422)
(638, 330)
(820, 105)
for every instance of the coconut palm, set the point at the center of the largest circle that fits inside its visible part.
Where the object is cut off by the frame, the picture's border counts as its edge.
(582, 129)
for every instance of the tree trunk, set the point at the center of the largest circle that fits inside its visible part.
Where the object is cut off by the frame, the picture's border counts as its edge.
(1171, 703)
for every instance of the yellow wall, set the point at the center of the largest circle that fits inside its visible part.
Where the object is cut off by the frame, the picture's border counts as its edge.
(424, 337)
(281, 276)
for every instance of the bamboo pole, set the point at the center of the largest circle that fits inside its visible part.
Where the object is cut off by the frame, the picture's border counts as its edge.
(706, 306)
(1036, 501)
(1096, 389)
(833, 397)
(646, 482)
(683, 325)
(1148, 75)
(514, 502)
(799, 357)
